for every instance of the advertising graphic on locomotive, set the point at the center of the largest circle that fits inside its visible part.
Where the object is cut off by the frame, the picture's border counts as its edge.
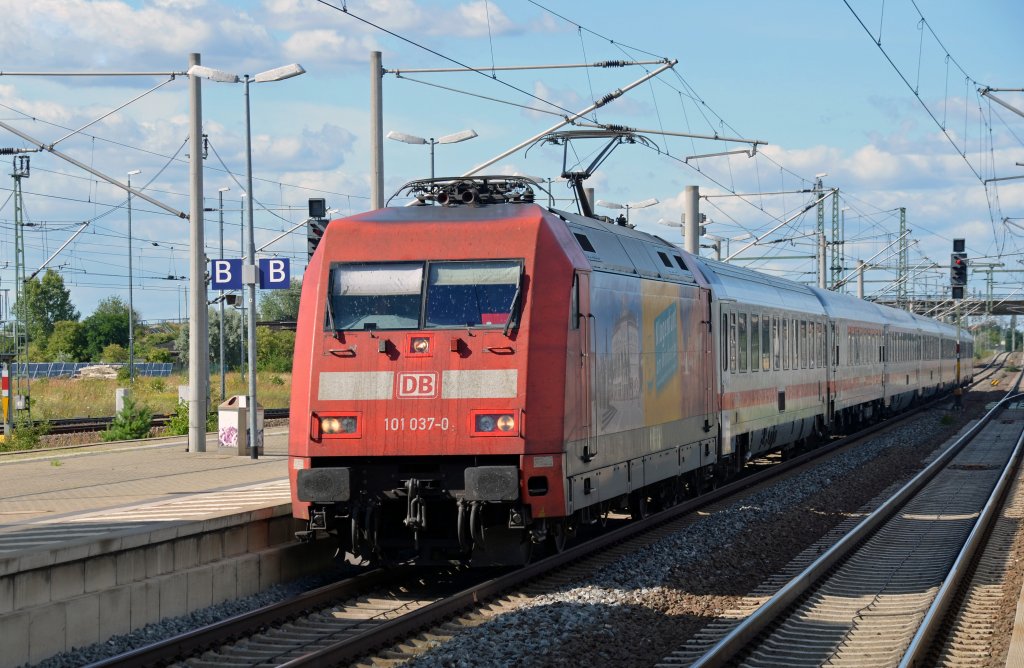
(479, 375)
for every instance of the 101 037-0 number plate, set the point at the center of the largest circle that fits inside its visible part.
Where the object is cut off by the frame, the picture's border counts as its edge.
(416, 424)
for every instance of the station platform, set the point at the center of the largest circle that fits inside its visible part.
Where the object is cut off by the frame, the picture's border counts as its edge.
(64, 496)
(98, 540)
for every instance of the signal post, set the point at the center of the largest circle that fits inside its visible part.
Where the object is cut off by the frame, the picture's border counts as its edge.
(957, 284)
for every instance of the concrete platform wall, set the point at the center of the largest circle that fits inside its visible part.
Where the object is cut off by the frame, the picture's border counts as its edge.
(52, 601)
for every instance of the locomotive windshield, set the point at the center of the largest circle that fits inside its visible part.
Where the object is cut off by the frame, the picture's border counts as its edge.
(394, 295)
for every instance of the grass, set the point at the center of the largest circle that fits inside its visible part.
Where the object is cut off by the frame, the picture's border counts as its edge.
(57, 398)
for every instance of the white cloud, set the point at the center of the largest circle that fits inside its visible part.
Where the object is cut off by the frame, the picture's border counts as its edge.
(327, 45)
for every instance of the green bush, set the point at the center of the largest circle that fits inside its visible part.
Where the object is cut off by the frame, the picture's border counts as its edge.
(26, 435)
(134, 421)
(177, 423)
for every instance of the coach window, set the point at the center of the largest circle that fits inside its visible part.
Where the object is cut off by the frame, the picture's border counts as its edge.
(375, 296)
(732, 342)
(803, 344)
(724, 352)
(785, 343)
(755, 341)
(472, 294)
(742, 341)
(766, 354)
(812, 339)
(776, 343)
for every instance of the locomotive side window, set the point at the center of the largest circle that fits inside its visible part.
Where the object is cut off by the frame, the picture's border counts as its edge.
(472, 294)
(376, 296)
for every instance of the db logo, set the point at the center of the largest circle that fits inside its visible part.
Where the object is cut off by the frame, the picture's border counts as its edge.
(417, 385)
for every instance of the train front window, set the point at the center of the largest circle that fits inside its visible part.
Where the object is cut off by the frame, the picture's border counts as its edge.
(376, 296)
(472, 294)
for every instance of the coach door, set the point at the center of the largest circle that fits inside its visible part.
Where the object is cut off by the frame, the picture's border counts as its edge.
(833, 370)
(588, 358)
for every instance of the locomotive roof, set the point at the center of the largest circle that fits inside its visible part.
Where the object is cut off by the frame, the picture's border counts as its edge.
(622, 249)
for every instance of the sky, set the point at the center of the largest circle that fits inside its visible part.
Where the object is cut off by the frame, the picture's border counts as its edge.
(879, 97)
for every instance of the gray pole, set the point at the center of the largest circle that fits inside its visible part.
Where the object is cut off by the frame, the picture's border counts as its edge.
(590, 197)
(821, 261)
(432, 142)
(250, 278)
(198, 364)
(131, 308)
(860, 279)
(691, 222)
(376, 130)
(242, 323)
(220, 195)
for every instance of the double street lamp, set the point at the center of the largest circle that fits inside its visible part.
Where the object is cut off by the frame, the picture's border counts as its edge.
(131, 306)
(453, 138)
(627, 206)
(249, 271)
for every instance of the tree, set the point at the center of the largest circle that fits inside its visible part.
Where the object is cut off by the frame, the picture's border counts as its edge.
(45, 302)
(66, 343)
(114, 353)
(281, 304)
(274, 349)
(233, 328)
(107, 324)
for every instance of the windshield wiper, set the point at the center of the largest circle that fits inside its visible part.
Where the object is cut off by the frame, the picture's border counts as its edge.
(512, 311)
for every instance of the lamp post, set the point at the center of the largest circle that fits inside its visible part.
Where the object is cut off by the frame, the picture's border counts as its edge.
(220, 202)
(131, 307)
(249, 271)
(242, 321)
(453, 138)
(629, 205)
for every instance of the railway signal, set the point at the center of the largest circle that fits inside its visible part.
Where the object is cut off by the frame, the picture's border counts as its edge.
(958, 269)
(317, 224)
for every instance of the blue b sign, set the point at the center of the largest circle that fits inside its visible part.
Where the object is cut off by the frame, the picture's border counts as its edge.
(226, 274)
(274, 273)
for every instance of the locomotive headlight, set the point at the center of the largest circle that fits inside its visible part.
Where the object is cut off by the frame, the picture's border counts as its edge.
(491, 423)
(419, 345)
(336, 425)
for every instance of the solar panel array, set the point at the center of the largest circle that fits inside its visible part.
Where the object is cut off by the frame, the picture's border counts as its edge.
(59, 369)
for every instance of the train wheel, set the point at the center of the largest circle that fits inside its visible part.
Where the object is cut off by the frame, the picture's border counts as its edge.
(638, 508)
(557, 536)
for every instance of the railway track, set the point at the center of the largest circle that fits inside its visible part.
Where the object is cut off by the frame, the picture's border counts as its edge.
(882, 594)
(343, 629)
(89, 424)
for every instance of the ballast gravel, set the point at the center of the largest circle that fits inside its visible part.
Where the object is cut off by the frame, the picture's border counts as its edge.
(637, 610)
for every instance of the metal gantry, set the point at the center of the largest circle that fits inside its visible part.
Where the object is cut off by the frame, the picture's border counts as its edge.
(19, 332)
(901, 272)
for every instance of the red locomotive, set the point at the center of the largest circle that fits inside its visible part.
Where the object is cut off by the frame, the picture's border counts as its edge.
(479, 375)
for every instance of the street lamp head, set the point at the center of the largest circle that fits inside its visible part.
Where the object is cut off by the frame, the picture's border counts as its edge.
(642, 204)
(279, 73)
(134, 172)
(212, 74)
(408, 139)
(456, 137)
(223, 190)
(610, 205)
